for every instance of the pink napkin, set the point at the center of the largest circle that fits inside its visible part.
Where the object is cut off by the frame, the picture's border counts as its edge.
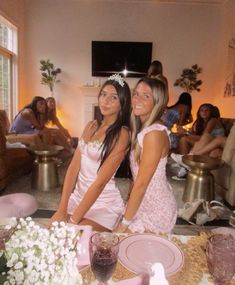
(84, 257)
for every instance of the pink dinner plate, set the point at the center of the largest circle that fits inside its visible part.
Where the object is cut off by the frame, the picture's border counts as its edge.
(139, 252)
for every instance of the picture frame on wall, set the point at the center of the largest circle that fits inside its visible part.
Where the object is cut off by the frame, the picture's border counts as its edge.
(229, 89)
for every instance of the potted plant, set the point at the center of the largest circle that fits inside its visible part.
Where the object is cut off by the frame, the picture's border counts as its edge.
(188, 79)
(49, 74)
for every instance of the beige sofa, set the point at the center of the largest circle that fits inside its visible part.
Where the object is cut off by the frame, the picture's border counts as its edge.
(225, 176)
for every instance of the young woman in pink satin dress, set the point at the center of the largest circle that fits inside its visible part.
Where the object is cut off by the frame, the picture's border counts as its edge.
(152, 205)
(96, 200)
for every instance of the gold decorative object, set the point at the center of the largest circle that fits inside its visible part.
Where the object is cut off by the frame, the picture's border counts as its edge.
(200, 182)
(45, 174)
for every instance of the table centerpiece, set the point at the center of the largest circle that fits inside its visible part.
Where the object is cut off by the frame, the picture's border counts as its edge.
(40, 256)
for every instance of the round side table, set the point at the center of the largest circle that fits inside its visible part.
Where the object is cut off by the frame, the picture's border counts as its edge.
(200, 182)
(45, 173)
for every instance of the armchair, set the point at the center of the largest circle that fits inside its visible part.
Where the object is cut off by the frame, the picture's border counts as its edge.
(13, 161)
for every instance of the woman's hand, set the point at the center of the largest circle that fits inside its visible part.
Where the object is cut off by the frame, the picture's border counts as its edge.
(59, 216)
(121, 228)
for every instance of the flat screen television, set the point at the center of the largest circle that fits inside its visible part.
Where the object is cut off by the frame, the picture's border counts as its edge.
(132, 59)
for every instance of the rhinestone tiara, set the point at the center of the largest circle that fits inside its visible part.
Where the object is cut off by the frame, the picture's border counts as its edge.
(117, 77)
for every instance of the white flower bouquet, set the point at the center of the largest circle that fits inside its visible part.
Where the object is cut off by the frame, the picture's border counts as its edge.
(36, 256)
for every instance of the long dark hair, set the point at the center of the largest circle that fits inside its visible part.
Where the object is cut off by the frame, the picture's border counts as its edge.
(123, 117)
(184, 99)
(50, 114)
(33, 107)
(155, 68)
(200, 125)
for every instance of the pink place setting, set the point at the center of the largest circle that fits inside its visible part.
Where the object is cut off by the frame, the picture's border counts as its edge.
(83, 257)
(138, 252)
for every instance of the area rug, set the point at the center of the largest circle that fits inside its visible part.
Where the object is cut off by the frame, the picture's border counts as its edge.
(48, 201)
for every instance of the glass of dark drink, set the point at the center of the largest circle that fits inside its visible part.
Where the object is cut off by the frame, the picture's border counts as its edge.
(104, 248)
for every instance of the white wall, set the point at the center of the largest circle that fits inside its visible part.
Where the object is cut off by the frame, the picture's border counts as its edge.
(182, 35)
(227, 103)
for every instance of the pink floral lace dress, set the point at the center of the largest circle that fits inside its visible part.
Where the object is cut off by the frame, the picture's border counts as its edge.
(158, 210)
(109, 206)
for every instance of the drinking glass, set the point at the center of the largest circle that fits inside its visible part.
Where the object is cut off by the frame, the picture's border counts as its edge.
(103, 249)
(220, 251)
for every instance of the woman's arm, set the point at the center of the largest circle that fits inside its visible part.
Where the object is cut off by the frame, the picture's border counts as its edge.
(68, 186)
(214, 143)
(183, 113)
(210, 125)
(57, 122)
(105, 173)
(29, 115)
(155, 146)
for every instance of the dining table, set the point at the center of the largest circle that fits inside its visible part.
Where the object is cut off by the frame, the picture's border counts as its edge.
(193, 271)
(190, 240)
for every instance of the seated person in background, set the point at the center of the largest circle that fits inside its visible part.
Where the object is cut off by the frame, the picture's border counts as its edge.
(207, 122)
(15, 140)
(31, 121)
(213, 146)
(179, 114)
(96, 200)
(207, 125)
(52, 117)
(156, 71)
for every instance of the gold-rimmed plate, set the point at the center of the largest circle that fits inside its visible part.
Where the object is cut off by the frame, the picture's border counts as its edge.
(138, 252)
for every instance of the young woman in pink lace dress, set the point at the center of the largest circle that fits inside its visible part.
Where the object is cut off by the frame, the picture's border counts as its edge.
(152, 205)
(96, 200)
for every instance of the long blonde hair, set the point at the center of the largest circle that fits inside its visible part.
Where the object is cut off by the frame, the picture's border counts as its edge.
(160, 99)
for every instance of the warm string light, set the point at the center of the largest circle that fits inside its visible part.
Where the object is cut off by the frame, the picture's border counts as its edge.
(178, 129)
(49, 124)
(188, 127)
(174, 128)
(60, 116)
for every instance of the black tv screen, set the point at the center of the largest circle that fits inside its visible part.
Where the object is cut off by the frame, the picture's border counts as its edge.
(115, 57)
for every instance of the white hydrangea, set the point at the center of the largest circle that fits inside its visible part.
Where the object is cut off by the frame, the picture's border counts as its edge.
(42, 256)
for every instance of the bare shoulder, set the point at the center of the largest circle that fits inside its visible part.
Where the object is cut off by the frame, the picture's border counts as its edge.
(213, 121)
(124, 137)
(90, 128)
(155, 134)
(27, 113)
(91, 124)
(155, 137)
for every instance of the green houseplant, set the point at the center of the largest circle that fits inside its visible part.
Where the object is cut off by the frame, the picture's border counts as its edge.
(49, 74)
(188, 79)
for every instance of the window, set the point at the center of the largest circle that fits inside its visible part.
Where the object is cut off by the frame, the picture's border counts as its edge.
(8, 66)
